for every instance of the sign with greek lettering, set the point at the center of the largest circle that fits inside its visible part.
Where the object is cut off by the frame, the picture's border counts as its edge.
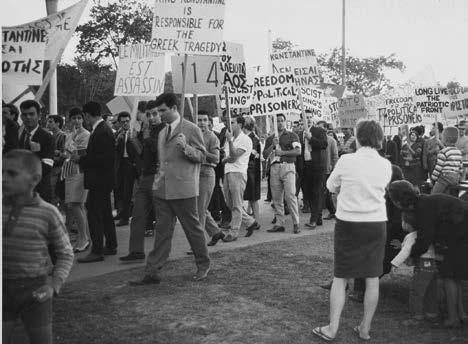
(350, 110)
(301, 63)
(140, 71)
(203, 74)
(188, 26)
(233, 69)
(25, 47)
(273, 94)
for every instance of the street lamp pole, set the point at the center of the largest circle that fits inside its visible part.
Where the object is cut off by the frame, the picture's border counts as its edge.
(343, 49)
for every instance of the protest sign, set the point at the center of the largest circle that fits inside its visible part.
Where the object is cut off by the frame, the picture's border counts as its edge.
(301, 63)
(430, 102)
(395, 111)
(350, 110)
(458, 102)
(25, 47)
(140, 71)
(188, 27)
(273, 94)
(203, 75)
(312, 99)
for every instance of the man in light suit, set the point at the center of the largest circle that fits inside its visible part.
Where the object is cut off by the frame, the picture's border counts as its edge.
(176, 187)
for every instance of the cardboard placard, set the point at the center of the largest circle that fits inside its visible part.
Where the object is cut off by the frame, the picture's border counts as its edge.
(350, 110)
(193, 27)
(273, 94)
(203, 74)
(301, 63)
(140, 71)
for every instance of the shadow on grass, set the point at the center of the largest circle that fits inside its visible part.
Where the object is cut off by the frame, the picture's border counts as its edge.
(268, 293)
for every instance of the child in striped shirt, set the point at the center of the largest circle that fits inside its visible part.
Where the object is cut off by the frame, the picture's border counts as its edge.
(30, 227)
(449, 167)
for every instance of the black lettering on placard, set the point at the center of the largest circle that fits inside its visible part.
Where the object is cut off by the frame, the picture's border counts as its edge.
(203, 47)
(165, 44)
(31, 35)
(22, 66)
(271, 107)
(459, 105)
(213, 74)
(139, 85)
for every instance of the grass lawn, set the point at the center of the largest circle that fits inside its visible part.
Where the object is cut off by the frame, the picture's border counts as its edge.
(269, 293)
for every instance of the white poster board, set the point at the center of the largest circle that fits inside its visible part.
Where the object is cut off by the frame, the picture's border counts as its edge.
(350, 110)
(301, 63)
(188, 27)
(203, 74)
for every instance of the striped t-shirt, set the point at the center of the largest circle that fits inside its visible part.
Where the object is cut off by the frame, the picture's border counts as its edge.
(28, 231)
(449, 159)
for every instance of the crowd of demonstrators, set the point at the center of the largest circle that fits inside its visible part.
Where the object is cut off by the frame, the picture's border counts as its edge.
(163, 167)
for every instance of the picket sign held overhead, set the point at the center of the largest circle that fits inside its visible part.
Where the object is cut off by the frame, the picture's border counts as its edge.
(194, 28)
(140, 71)
(301, 63)
(203, 74)
(350, 110)
(25, 47)
(273, 94)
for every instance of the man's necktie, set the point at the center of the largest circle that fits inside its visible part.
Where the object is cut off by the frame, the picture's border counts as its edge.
(27, 140)
(168, 132)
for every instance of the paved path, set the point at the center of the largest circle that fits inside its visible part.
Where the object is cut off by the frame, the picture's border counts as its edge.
(180, 244)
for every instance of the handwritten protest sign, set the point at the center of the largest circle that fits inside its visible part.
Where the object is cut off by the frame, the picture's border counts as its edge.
(190, 27)
(25, 47)
(234, 71)
(301, 63)
(140, 71)
(430, 101)
(458, 102)
(273, 94)
(203, 75)
(395, 111)
(312, 98)
(350, 110)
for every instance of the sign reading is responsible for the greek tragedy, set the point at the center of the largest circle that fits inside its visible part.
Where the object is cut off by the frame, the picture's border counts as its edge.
(193, 27)
(140, 72)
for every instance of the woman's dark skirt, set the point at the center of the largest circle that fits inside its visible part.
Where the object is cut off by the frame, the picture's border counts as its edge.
(359, 249)
(252, 188)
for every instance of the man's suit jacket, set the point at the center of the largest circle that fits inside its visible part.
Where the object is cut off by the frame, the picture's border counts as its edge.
(179, 170)
(134, 149)
(98, 163)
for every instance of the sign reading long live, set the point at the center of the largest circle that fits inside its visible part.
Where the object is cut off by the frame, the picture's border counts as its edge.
(273, 94)
(190, 27)
(140, 72)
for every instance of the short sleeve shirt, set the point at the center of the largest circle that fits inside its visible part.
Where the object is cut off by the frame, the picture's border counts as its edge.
(243, 142)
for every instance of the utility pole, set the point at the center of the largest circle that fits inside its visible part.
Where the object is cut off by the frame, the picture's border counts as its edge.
(51, 6)
(343, 49)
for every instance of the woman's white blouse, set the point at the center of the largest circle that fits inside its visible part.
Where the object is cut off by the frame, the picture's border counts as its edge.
(360, 180)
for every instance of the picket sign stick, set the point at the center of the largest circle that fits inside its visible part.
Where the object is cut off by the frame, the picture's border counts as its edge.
(133, 117)
(190, 107)
(304, 119)
(275, 125)
(184, 77)
(436, 128)
(228, 110)
(195, 108)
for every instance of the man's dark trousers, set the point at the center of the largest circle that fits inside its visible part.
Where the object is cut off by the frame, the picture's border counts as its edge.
(101, 223)
(312, 187)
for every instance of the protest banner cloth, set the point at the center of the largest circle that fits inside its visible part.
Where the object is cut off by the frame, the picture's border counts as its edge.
(25, 47)
(273, 94)
(203, 75)
(350, 110)
(188, 27)
(140, 71)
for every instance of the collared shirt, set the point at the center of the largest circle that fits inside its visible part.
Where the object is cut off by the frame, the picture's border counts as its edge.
(243, 142)
(173, 125)
(96, 124)
(212, 148)
(125, 153)
(28, 230)
(360, 180)
(288, 140)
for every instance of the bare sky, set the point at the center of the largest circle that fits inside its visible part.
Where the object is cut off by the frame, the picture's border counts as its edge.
(420, 32)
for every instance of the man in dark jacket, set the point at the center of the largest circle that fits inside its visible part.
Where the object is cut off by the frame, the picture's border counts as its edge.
(98, 166)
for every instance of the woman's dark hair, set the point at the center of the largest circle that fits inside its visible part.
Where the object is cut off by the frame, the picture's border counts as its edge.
(397, 173)
(369, 133)
(404, 193)
(57, 119)
(75, 112)
(169, 99)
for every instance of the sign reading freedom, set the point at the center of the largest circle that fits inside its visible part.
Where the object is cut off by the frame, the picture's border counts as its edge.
(140, 72)
(273, 94)
(192, 27)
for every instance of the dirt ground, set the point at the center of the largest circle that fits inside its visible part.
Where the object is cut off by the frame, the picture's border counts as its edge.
(268, 293)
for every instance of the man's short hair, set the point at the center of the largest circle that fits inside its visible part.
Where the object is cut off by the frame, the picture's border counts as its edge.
(142, 105)
(369, 133)
(75, 112)
(322, 122)
(204, 113)
(170, 99)
(151, 104)
(29, 161)
(281, 115)
(29, 104)
(122, 115)
(57, 119)
(13, 110)
(92, 108)
(240, 120)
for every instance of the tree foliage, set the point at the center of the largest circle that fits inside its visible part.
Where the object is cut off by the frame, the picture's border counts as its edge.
(113, 24)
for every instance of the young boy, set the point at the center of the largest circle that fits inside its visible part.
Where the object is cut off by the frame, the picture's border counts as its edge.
(449, 167)
(30, 227)
(423, 299)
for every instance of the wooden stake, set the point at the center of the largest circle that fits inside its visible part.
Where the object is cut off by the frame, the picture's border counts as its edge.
(195, 108)
(228, 110)
(184, 77)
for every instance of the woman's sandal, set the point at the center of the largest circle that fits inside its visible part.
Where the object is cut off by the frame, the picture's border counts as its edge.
(358, 333)
(319, 333)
